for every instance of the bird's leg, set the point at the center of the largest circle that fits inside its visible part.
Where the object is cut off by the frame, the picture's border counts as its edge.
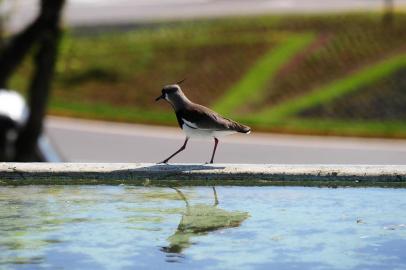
(174, 154)
(216, 141)
(182, 196)
(216, 201)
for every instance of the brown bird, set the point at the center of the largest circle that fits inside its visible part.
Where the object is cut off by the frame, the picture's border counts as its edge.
(197, 121)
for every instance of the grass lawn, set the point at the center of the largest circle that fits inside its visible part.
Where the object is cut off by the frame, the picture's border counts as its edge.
(336, 89)
(267, 71)
(251, 87)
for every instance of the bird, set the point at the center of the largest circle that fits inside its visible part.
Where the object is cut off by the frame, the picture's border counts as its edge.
(199, 220)
(198, 121)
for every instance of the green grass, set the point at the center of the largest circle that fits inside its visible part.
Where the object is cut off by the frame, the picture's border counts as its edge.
(263, 70)
(335, 90)
(388, 129)
(131, 70)
(250, 89)
(105, 111)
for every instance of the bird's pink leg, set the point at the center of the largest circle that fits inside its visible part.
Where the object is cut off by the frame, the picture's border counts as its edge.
(216, 141)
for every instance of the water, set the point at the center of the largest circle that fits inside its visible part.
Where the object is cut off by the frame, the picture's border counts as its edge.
(124, 227)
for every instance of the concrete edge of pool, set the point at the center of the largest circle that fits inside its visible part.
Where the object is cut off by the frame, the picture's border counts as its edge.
(201, 174)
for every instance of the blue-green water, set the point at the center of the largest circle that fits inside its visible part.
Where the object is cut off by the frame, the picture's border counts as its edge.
(124, 227)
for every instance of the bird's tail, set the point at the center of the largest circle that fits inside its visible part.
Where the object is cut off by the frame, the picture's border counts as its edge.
(245, 129)
(241, 128)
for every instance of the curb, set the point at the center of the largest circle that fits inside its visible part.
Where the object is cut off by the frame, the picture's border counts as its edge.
(201, 175)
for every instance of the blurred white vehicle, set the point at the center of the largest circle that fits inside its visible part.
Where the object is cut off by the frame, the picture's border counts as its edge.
(13, 116)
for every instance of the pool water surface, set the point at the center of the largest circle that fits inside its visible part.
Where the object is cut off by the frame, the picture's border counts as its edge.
(126, 227)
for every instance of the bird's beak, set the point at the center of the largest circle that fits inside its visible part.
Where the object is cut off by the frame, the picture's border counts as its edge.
(160, 97)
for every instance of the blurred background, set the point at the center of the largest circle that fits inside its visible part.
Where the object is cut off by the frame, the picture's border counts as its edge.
(318, 81)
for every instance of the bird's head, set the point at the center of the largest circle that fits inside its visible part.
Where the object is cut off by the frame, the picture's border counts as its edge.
(173, 94)
(169, 91)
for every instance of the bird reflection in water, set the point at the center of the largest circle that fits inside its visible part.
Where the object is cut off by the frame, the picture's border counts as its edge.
(199, 220)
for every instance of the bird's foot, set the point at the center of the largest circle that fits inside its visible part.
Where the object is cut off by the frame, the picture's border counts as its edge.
(163, 162)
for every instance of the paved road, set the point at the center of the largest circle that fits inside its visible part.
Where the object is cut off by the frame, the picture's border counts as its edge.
(92, 141)
(90, 12)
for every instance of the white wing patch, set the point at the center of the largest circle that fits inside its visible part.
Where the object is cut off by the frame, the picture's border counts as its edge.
(190, 124)
(193, 131)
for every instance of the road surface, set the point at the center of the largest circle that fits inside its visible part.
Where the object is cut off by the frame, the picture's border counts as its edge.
(95, 141)
(93, 12)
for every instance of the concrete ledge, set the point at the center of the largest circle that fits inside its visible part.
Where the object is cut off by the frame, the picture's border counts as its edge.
(197, 174)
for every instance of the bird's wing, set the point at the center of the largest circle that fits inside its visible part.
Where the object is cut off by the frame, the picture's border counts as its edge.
(203, 118)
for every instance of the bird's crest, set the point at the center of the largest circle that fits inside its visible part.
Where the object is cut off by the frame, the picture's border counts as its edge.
(179, 82)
